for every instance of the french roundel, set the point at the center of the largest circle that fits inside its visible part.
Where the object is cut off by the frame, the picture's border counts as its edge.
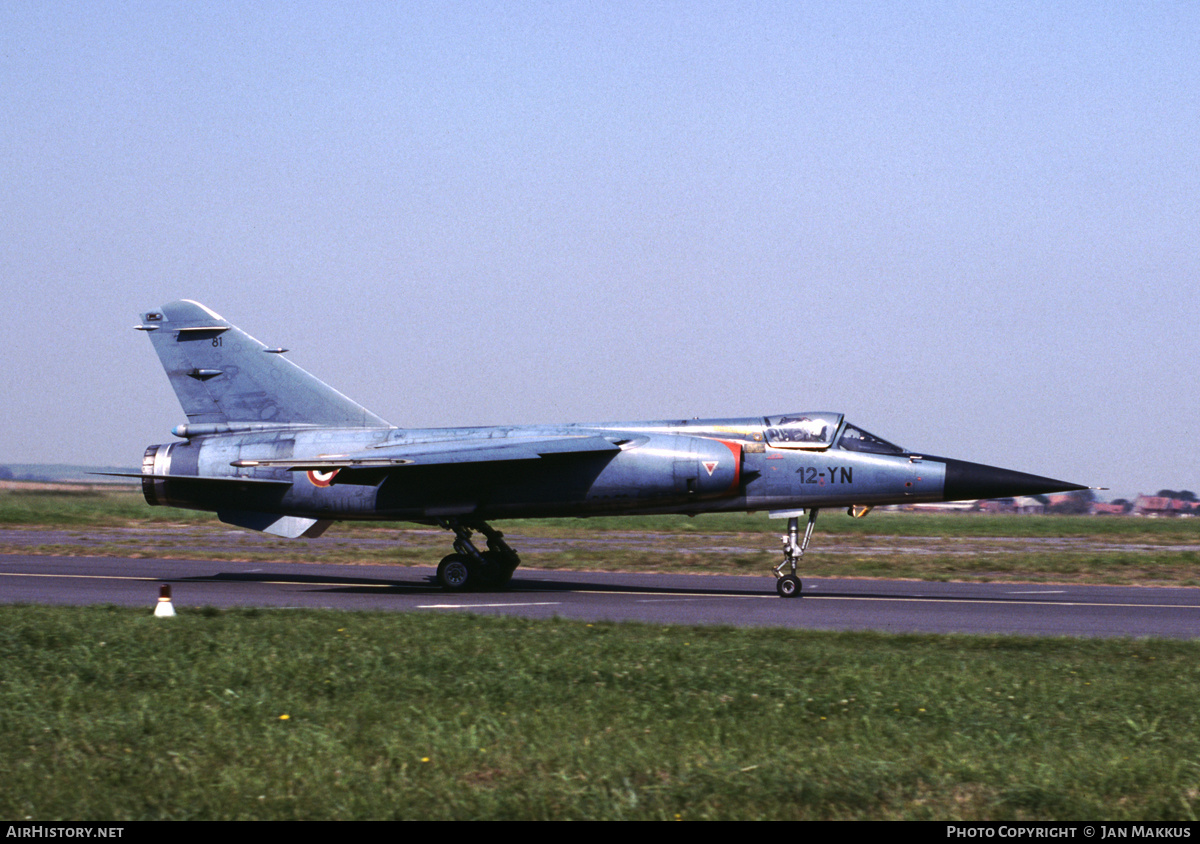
(322, 479)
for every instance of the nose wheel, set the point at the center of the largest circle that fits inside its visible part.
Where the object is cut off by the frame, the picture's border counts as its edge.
(788, 585)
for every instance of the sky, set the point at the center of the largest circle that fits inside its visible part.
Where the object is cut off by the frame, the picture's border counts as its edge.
(971, 227)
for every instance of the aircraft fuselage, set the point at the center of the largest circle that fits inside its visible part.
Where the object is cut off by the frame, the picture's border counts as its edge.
(692, 467)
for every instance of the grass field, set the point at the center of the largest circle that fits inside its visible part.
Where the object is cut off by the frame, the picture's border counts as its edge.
(108, 713)
(961, 546)
(112, 714)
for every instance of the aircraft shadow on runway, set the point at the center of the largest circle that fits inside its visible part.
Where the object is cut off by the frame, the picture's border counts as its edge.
(427, 584)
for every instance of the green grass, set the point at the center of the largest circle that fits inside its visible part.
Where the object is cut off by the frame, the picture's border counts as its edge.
(125, 505)
(959, 546)
(901, 523)
(76, 506)
(108, 713)
(893, 523)
(111, 714)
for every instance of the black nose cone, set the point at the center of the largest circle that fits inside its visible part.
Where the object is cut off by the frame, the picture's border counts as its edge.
(968, 481)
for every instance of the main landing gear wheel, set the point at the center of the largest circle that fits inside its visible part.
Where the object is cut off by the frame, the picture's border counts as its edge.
(499, 569)
(455, 573)
(471, 569)
(788, 586)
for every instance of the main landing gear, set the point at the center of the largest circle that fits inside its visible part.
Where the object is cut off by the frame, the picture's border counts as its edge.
(788, 585)
(470, 568)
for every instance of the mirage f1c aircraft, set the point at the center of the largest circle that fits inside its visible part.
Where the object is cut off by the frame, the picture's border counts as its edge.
(271, 448)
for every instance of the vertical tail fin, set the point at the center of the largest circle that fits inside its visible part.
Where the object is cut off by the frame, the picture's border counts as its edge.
(222, 374)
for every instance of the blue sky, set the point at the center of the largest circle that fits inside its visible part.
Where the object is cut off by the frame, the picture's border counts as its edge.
(971, 227)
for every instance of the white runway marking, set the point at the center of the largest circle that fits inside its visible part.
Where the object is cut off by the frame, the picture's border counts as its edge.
(477, 606)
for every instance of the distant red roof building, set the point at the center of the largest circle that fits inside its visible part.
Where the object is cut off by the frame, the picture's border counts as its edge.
(1157, 505)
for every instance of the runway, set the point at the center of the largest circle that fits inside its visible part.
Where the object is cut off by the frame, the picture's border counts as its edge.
(658, 599)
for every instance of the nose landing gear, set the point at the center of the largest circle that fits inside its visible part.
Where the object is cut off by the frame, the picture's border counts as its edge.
(788, 585)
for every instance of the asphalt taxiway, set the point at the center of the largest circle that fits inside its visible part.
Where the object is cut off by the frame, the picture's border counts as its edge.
(742, 601)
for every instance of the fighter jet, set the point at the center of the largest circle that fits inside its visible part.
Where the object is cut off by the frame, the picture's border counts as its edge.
(269, 447)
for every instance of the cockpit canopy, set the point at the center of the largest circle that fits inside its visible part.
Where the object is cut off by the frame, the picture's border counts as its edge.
(856, 439)
(818, 431)
(802, 430)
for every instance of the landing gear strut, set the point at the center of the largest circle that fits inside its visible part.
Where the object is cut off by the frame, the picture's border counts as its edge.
(470, 568)
(788, 585)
